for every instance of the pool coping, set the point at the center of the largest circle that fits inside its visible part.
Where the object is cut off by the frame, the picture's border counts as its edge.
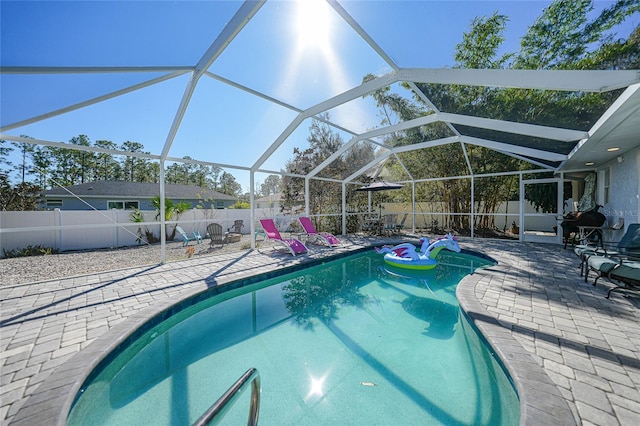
(541, 402)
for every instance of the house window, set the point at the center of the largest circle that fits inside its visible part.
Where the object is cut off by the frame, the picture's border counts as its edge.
(603, 186)
(219, 204)
(52, 203)
(123, 205)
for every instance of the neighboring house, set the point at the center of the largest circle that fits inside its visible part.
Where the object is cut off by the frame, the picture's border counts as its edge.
(269, 202)
(273, 203)
(107, 195)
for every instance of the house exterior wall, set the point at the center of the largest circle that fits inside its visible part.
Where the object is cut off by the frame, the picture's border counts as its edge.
(624, 192)
(69, 203)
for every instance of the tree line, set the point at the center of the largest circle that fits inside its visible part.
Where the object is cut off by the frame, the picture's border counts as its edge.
(50, 167)
(40, 168)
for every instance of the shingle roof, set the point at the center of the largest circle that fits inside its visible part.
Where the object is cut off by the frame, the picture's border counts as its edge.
(124, 189)
(270, 198)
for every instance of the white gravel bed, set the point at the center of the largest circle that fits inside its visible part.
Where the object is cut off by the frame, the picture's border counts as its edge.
(21, 270)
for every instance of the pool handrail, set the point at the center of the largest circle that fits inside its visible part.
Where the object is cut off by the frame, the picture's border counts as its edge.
(224, 403)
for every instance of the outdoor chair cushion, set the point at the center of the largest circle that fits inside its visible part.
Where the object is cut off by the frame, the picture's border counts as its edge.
(623, 271)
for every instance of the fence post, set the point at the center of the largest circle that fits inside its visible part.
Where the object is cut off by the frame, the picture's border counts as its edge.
(116, 228)
(57, 219)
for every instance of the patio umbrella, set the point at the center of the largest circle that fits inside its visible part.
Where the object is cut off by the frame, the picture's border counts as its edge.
(380, 186)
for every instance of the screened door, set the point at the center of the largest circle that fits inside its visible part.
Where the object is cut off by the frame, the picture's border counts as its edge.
(539, 210)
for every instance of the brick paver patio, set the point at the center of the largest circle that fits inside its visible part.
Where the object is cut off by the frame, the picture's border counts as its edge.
(575, 353)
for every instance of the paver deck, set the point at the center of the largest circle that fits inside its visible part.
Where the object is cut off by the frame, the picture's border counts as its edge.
(575, 353)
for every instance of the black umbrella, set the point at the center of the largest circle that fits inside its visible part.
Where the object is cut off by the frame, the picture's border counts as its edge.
(380, 186)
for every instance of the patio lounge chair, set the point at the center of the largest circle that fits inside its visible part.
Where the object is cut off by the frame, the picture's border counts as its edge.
(621, 267)
(214, 230)
(325, 237)
(195, 236)
(624, 273)
(629, 243)
(293, 245)
(626, 276)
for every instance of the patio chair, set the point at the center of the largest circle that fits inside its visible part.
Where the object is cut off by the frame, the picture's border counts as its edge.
(237, 226)
(372, 224)
(325, 237)
(293, 245)
(603, 259)
(214, 230)
(195, 236)
(400, 226)
(389, 226)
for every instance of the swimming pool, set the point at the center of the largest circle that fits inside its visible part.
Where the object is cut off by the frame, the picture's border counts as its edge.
(346, 342)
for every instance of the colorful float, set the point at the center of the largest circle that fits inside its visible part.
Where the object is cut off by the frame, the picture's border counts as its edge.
(406, 256)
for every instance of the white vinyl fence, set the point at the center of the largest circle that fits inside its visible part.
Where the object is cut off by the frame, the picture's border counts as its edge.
(84, 230)
(66, 230)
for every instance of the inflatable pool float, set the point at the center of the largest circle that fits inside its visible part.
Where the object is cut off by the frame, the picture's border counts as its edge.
(406, 256)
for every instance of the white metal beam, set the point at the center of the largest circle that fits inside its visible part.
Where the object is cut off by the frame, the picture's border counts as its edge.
(207, 163)
(91, 101)
(93, 70)
(403, 166)
(65, 145)
(274, 100)
(241, 18)
(279, 141)
(565, 80)
(233, 27)
(330, 103)
(363, 34)
(553, 133)
(367, 166)
(505, 147)
(354, 93)
(427, 144)
(420, 121)
(529, 160)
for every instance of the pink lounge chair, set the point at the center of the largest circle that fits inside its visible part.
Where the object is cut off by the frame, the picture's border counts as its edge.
(294, 246)
(325, 237)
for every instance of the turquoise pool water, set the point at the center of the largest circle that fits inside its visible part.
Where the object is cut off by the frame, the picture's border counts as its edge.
(349, 342)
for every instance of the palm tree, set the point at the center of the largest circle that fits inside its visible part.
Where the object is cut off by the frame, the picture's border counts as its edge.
(170, 209)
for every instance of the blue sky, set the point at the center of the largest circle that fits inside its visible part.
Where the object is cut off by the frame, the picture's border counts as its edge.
(300, 65)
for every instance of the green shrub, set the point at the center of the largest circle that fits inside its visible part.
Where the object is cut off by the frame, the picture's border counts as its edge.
(29, 251)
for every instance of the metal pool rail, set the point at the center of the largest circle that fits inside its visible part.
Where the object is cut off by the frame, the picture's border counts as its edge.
(222, 405)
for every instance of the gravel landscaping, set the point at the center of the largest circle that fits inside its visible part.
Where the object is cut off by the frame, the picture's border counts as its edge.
(21, 270)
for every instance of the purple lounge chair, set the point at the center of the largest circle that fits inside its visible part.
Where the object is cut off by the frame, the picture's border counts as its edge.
(295, 246)
(325, 237)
